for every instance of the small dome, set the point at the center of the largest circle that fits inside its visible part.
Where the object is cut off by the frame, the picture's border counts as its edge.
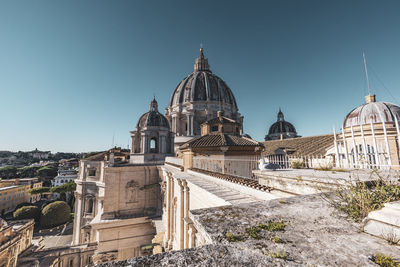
(372, 111)
(281, 126)
(202, 85)
(152, 118)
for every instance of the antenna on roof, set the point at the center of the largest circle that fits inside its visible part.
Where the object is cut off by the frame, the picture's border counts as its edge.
(112, 144)
(366, 73)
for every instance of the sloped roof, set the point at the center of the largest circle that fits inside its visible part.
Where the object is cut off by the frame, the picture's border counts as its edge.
(307, 146)
(219, 139)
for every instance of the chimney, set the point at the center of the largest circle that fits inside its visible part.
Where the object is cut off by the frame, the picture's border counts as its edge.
(370, 98)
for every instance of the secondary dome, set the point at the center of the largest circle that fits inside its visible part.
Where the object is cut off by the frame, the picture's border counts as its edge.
(202, 85)
(372, 111)
(152, 118)
(281, 129)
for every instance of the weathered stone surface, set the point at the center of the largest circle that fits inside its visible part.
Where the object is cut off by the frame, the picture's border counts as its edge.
(314, 235)
(209, 255)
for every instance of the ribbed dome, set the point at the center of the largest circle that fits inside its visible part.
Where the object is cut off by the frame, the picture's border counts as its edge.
(281, 126)
(375, 112)
(152, 118)
(202, 85)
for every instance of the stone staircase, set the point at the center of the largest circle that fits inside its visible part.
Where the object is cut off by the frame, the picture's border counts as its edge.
(385, 222)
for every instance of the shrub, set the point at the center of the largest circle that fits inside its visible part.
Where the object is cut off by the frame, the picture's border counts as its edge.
(298, 164)
(357, 199)
(254, 232)
(27, 212)
(232, 238)
(55, 214)
(276, 239)
(273, 226)
(385, 261)
(279, 255)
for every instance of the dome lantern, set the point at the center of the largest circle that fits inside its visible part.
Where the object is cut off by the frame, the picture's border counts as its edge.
(201, 63)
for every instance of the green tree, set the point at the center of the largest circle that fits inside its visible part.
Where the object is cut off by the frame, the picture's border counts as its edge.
(47, 172)
(39, 190)
(27, 212)
(8, 172)
(64, 189)
(28, 171)
(55, 214)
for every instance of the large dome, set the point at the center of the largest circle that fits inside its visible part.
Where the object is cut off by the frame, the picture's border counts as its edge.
(375, 112)
(152, 118)
(202, 85)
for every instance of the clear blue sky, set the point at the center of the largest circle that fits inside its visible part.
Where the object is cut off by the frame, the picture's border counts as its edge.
(75, 73)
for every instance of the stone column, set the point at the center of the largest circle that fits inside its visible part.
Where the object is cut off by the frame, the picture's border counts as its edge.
(186, 215)
(143, 148)
(187, 124)
(77, 221)
(168, 209)
(133, 137)
(171, 217)
(181, 213)
(191, 125)
(193, 232)
(163, 144)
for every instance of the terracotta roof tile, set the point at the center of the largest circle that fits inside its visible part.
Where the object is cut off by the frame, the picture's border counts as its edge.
(310, 145)
(216, 140)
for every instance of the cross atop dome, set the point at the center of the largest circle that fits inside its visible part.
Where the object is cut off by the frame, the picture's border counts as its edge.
(201, 62)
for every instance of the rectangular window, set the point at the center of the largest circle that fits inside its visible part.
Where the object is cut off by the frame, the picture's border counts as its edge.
(92, 172)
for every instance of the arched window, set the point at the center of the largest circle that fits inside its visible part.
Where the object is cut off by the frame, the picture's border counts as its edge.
(153, 145)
